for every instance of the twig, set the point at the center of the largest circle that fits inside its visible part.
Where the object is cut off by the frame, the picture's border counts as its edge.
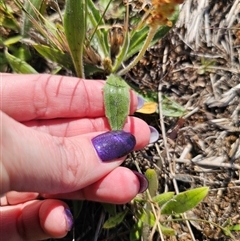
(210, 164)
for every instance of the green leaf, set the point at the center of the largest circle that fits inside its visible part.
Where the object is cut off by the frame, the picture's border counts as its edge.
(18, 65)
(167, 231)
(137, 39)
(7, 18)
(152, 178)
(184, 201)
(23, 53)
(116, 101)
(136, 231)
(55, 55)
(75, 31)
(171, 108)
(163, 198)
(12, 40)
(148, 218)
(115, 220)
(234, 227)
(227, 232)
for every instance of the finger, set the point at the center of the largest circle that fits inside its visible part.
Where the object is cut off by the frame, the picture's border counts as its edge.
(53, 164)
(35, 220)
(119, 186)
(67, 128)
(27, 97)
(14, 197)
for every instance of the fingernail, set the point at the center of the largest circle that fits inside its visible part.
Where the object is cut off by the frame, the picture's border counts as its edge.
(68, 218)
(141, 102)
(113, 144)
(154, 135)
(142, 180)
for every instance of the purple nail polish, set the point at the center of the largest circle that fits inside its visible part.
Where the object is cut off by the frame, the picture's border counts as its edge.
(69, 219)
(113, 144)
(143, 181)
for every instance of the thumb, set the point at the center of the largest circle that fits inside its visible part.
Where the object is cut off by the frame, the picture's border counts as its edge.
(38, 162)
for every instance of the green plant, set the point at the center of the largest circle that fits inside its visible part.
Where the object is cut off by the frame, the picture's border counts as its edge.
(155, 212)
(87, 43)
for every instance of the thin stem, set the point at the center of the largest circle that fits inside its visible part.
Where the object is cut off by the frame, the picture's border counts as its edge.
(99, 21)
(146, 44)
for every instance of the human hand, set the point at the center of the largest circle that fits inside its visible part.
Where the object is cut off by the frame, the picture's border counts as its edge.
(48, 123)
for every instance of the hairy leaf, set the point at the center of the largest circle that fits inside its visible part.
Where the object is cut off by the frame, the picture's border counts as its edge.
(116, 101)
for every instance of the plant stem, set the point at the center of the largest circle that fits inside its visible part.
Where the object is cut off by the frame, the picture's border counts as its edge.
(152, 31)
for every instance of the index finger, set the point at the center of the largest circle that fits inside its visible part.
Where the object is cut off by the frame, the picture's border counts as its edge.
(43, 96)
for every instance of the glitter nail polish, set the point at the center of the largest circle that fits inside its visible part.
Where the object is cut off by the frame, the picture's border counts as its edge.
(113, 144)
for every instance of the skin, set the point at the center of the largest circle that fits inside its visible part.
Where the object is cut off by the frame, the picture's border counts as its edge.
(47, 123)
